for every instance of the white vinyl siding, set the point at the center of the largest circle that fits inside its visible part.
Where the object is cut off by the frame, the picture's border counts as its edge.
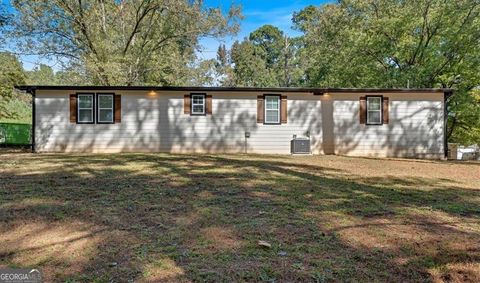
(157, 123)
(415, 127)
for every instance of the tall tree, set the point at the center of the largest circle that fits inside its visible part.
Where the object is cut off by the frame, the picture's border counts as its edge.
(267, 58)
(11, 74)
(74, 75)
(4, 17)
(464, 120)
(202, 73)
(41, 75)
(291, 63)
(121, 42)
(390, 43)
(222, 56)
(269, 40)
(250, 67)
(223, 67)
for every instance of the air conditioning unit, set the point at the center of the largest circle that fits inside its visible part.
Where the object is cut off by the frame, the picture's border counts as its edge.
(300, 146)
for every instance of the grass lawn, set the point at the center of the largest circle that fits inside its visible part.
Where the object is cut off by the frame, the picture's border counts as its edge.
(182, 218)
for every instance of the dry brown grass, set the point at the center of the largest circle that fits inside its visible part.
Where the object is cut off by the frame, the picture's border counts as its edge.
(183, 218)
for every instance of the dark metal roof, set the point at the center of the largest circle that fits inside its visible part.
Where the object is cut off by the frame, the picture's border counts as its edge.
(318, 91)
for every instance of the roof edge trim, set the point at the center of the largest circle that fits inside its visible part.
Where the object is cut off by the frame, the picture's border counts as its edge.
(317, 91)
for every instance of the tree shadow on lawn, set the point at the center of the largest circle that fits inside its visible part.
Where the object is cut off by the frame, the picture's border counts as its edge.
(159, 217)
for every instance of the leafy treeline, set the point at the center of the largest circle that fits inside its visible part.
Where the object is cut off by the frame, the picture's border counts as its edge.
(350, 43)
(15, 106)
(126, 42)
(110, 42)
(372, 43)
(267, 57)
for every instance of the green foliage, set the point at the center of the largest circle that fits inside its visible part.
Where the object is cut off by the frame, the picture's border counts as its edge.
(202, 73)
(222, 56)
(392, 44)
(250, 67)
(11, 70)
(389, 43)
(349, 43)
(14, 105)
(223, 68)
(269, 42)
(71, 76)
(41, 75)
(17, 110)
(267, 58)
(121, 42)
(304, 20)
(464, 118)
(45, 75)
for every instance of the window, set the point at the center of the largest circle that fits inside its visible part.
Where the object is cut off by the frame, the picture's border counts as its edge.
(198, 104)
(374, 110)
(272, 109)
(105, 108)
(85, 108)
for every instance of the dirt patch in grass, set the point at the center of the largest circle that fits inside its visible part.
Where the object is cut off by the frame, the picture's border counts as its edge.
(183, 218)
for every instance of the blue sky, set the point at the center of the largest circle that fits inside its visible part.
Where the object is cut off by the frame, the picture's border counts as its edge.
(256, 13)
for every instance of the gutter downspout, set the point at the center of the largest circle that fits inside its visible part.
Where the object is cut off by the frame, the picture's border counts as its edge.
(446, 95)
(32, 92)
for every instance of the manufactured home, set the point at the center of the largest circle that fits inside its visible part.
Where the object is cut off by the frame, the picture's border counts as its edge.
(359, 122)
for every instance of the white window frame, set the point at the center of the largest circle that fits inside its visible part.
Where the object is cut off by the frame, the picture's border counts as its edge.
(380, 122)
(112, 108)
(203, 104)
(92, 108)
(271, 110)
